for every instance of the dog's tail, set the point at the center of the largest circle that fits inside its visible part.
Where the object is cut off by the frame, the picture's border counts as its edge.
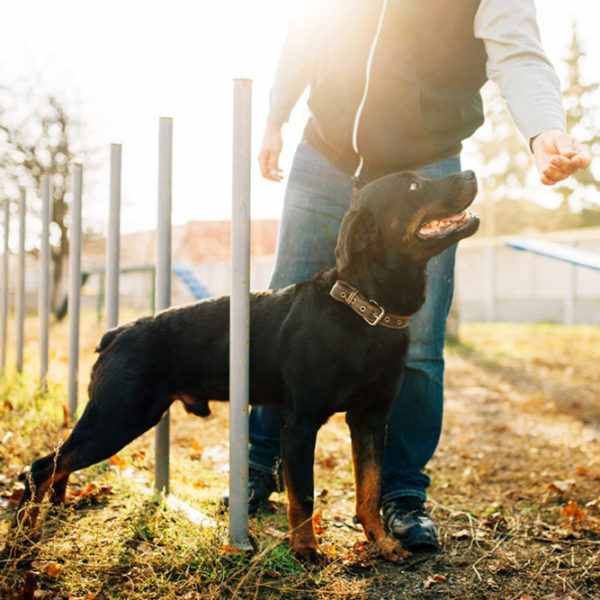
(109, 336)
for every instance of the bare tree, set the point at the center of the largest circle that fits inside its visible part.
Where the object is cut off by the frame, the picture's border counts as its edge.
(38, 140)
(579, 192)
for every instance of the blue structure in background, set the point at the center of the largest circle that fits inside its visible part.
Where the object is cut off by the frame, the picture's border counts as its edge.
(574, 256)
(187, 275)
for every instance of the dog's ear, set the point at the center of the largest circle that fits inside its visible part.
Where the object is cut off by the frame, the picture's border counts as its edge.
(358, 235)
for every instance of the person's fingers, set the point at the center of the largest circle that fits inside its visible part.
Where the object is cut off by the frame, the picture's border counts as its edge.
(268, 161)
(273, 166)
(558, 155)
(564, 165)
(583, 159)
(553, 174)
(560, 162)
(569, 165)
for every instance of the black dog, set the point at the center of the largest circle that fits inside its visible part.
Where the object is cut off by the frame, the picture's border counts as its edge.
(334, 343)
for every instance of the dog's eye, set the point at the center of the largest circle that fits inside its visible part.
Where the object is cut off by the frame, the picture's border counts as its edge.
(413, 186)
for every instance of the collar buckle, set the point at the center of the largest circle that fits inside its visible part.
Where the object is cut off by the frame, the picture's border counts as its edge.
(378, 317)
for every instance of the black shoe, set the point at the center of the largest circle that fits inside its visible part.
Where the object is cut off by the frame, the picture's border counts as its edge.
(260, 486)
(407, 520)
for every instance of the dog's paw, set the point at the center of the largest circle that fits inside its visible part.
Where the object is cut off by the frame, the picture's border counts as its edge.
(391, 550)
(310, 554)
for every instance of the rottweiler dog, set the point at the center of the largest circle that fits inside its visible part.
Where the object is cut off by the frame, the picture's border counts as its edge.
(335, 343)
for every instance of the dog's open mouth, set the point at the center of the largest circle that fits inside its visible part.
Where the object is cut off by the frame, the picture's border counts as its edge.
(447, 225)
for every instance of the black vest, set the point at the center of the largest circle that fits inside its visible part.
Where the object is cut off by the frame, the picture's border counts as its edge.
(423, 95)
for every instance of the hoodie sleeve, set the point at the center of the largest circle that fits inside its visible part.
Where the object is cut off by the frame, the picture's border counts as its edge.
(518, 64)
(295, 66)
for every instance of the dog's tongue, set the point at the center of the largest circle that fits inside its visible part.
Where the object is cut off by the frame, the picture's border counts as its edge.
(437, 226)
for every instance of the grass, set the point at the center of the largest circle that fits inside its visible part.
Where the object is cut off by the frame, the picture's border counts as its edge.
(515, 491)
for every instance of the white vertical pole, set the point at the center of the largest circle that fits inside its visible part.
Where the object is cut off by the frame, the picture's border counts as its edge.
(240, 314)
(20, 291)
(570, 292)
(163, 282)
(490, 306)
(113, 239)
(4, 299)
(74, 285)
(44, 285)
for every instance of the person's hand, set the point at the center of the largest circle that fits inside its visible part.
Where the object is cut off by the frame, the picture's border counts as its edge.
(558, 155)
(270, 149)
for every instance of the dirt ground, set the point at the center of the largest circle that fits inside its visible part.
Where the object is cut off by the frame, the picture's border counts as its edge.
(516, 492)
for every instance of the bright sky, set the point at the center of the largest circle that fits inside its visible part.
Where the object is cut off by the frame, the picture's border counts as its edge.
(123, 63)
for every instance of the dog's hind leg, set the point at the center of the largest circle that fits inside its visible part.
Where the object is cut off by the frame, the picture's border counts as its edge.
(106, 426)
(367, 429)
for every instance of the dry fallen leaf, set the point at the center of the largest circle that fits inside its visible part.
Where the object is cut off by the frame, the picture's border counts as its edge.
(327, 462)
(318, 525)
(432, 580)
(145, 548)
(118, 462)
(593, 504)
(13, 496)
(572, 510)
(228, 549)
(196, 451)
(361, 555)
(50, 568)
(562, 487)
(93, 492)
(587, 472)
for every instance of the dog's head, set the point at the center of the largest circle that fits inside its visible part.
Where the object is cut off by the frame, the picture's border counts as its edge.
(407, 216)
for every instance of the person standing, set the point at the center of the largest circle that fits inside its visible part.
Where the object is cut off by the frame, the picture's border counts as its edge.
(394, 85)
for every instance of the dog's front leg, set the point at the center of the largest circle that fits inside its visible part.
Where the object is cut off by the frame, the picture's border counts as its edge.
(367, 430)
(298, 446)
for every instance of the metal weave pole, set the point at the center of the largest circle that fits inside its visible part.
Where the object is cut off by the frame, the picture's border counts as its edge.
(113, 238)
(20, 291)
(239, 343)
(163, 282)
(44, 279)
(74, 285)
(4, 299)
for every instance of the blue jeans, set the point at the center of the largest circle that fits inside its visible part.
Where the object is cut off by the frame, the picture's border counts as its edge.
(316, 199)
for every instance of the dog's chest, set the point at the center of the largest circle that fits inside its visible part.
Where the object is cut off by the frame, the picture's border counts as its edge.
(370, 373)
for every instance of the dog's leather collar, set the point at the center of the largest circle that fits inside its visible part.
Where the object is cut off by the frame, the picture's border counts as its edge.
(369, 310)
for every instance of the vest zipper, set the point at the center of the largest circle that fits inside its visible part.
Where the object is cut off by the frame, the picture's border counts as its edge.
(364, 96)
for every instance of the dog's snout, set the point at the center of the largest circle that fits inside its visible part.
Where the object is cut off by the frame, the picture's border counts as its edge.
(468, 175)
